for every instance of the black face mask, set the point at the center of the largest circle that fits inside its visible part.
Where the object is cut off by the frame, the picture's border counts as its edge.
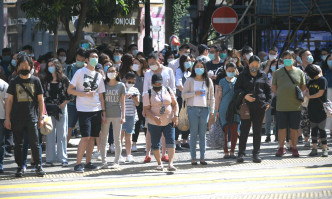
(157, 88)
(24, 72)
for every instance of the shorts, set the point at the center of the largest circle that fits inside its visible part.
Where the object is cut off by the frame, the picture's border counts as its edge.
(72, 116)
(289, 119)
(90, 123)
(129, 125)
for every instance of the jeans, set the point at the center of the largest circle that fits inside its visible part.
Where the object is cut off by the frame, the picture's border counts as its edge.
(116, 131)
(58, 137)
(2, 141)
(139, 123)
(26, 130)
(198, 119)
(268, 122)
(156, 131)
(110, 135)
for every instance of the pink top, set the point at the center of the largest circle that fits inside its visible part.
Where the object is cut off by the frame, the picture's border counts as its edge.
(156, 104)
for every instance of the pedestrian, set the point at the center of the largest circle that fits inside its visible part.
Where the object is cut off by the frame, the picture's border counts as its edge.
(224, 95)
(317, 95)
(327, 72)
(88, 87)
(215, 66)
(246, 53)
(181, 75)
(56, 100)
(115, 114)
(288, 105)
(3, 98)
(183, 50)
(25, 97)
(126, 66)
(117, 55)
(198, 91)
(131, 102)
(254, 84)
(162, 113)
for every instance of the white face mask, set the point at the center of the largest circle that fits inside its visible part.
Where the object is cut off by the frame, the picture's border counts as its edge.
(111, 75)
(272, 57)
(154, 67)
(135, 67)
(134, 52)
(129, 85)
(249, 55)
(62, 59)
(170, 60)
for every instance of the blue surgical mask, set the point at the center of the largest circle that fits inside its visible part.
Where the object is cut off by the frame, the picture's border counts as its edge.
(273, 68)
(299, 59)
(329, 63)
(211, 56)
(223, 55)
(13, 62)
(323, 57)
(230, 74)
(310, 59)
(187, 64)
(93, 62)
(199, 71)
(281, 66)
(51, 70)
(79, 63)
(117, 58)
(288, 62)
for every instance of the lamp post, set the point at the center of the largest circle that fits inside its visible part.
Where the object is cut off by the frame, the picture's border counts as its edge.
(192, 9)
(147, 41)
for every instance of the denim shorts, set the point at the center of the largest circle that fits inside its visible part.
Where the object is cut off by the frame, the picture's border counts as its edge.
(129, 125)
(72, 116)
(156, 132)
(90, 123)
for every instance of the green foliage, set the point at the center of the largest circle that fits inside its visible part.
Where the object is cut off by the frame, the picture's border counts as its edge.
(179, 8)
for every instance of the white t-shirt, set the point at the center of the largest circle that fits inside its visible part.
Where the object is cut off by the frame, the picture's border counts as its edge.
(198, 99)
(203, 58)
(174, 65)
(82, 81)
(130, 104)
(3, 95)
(168, 79)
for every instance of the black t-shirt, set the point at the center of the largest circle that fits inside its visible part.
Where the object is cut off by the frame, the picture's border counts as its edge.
(213, 67)
(54, 90)
(24, 108)
(315, 107)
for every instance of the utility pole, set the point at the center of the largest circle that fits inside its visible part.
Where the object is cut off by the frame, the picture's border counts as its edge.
(2, 27)
(147, 41)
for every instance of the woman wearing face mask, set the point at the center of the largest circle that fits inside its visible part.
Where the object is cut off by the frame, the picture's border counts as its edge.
(224, 95)
(181, 75)
(126, 66)
(255, 86)
(327, 72)
(56, 100)
(140, 66)
(169, 56)
(198, 91)
(115, 114)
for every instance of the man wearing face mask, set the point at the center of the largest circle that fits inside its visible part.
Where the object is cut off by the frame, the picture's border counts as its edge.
(133, 50)
(203, 53)
(273, 54)
(246, 53)
(117, 54)
(61, 53)
(6, 60)
(215, 66)
(70, 72)
(88, 87)
(36, 65)
(183, 50)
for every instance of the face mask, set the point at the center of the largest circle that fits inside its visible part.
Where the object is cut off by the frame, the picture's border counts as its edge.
(329, 63)
(211, 56)
(299, 59)
(323, 57)
(154, 67)
(79, 63)
(253, 69)
(111, 75)
(117, 58)
(157, 88)
(129, 85)
(134, 52)
(310, 59)
(186, 54)
(281, 66)
(249, 55)
(265, 58)
(272, 57)
(273, 68)
(187, 64)
(24, 72)
(223, 55)
(13, 62)
(6, 58)
(93, 62)
(199, 71)
(230, 75)
(51, 70)
(135, 67)
(170, 60)
(32, 71)
(288, 62)
(63, 59)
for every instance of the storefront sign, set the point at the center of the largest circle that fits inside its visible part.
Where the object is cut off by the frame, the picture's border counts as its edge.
(125, 21)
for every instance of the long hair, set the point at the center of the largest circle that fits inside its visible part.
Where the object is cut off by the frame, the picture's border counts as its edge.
(205, 75)
(127, 62)
(183, 59)
(60, 76)
(144, 65)
(325, 66)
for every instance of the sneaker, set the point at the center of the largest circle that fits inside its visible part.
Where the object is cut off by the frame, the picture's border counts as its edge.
(160, 167)
(147, 159)
(268, 139)
(39, 171)
(24, 168)
(185, 145)
(313, 152)
(121, 159)
(178, 147)
(239, 158)
(295, 153)
(95, 155)
(65, 164)
(130, 159)
(49, 164)
(164, 158)
(256, 158)
(90, 166)
(79, 168)
(171, 168)
(19, 172)
(104, 166)
(325, 153)
(115, 166)
(1, 168)
(306, 146)
(134, 148)
(281, 152)
(112, 148)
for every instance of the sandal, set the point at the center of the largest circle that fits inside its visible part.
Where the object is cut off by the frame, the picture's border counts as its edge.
(171, 168)
(160, 167)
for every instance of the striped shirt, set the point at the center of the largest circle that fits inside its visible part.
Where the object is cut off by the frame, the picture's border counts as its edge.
(130, 104)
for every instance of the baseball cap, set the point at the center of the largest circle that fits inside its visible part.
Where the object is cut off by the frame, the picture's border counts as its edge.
(157, 78)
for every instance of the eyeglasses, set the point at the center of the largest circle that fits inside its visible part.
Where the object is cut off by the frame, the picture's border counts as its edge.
(131, 82)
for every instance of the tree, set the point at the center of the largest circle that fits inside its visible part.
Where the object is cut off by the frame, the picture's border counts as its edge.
(51, 12)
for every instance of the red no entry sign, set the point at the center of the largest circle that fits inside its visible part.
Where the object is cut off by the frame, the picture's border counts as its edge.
(224, 20)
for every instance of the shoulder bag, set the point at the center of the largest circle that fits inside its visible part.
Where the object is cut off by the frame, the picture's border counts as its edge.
(183, 118)
(298, 92)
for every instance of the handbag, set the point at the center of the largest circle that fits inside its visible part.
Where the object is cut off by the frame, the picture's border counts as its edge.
(216, 137)
(328, 108)
(244, 110)
(298, 92)
(183, 124)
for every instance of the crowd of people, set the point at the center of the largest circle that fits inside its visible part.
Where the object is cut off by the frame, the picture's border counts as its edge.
(111, 96)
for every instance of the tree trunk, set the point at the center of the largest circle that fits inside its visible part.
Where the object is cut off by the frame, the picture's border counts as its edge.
(56, 37)
(207, 21)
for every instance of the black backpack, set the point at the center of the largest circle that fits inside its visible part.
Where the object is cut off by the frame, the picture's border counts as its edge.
(149, 91)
